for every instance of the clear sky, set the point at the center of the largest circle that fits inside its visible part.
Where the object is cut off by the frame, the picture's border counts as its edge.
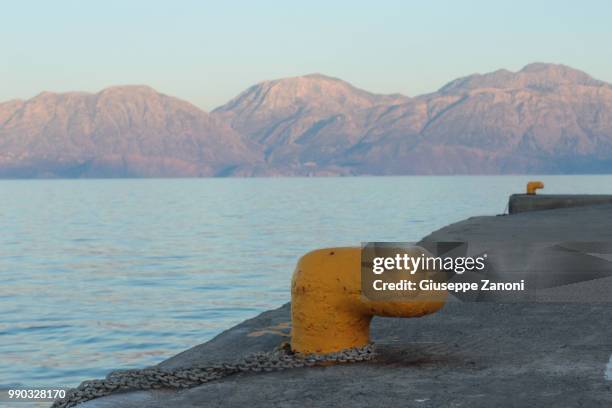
(207, 52)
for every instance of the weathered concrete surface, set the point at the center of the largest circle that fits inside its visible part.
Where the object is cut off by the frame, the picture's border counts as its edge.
(564, 255)
(531, 202)
(468, 355)
(482, 354)
(591, 223)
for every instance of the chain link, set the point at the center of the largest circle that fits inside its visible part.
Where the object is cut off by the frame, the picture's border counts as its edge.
(182, 378)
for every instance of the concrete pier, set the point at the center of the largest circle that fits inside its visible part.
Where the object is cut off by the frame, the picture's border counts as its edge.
(536, 202)
(552, 351)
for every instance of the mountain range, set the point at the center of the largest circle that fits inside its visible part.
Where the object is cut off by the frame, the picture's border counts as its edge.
(545, 118)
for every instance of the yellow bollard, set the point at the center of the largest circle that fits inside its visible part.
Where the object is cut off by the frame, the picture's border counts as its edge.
(532, 186)
(329, 312)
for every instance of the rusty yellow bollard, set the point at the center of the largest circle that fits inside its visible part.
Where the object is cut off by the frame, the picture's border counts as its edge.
(329, 312)
(532, 186)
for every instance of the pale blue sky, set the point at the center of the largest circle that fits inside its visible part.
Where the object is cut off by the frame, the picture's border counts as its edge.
(207, 52)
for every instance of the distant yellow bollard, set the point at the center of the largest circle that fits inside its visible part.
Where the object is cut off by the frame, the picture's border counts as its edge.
(532, 186)
(329, 312)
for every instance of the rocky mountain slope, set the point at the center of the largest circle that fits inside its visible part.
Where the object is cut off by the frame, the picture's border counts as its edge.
(543, 118)
(119, 132)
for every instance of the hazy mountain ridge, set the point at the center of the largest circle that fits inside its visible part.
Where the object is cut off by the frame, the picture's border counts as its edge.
(536, 76)
(120, 131)
(543, 118)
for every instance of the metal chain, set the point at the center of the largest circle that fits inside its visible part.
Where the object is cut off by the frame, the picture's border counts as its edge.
(181, 378)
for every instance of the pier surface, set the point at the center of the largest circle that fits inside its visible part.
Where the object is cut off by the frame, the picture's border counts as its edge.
(553, 351)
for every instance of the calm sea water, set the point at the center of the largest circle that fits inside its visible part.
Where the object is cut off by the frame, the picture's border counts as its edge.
(99, 275)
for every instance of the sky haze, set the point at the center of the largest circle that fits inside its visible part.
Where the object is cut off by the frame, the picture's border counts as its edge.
(207, 52)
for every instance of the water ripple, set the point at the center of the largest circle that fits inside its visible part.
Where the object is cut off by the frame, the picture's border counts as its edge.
(109, 274)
